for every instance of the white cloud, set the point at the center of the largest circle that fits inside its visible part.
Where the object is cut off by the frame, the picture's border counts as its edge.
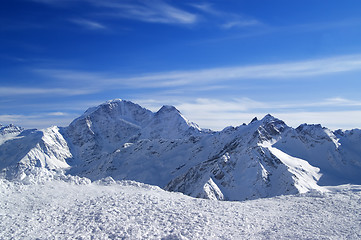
(92, 25)
(216, 105)
(155, 11)
(70, 74)
(240, 23)
(203, 78)
(37, 120)
(149, 11)
(338, 101)
(10, 118)
(217, 114)
(330, 119)
(231, 20)
(57, 114)
(207, 8)
(289, 71)
(212, 113)
(11, 91)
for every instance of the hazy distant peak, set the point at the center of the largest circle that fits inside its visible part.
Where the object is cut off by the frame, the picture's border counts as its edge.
(10, 129)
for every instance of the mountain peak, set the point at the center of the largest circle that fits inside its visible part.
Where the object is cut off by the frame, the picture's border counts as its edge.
(119, 109)
(116, 100)
(269, 118)
(306, 126)
(11, 128)
(255, 119)
(168, 109)
(168, 122)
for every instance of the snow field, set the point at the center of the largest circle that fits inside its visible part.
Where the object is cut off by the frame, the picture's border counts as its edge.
(129, 210)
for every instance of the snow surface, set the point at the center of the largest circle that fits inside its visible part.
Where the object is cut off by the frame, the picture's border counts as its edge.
(75, 208)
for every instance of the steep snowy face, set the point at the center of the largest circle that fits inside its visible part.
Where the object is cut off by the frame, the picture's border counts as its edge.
(102, 129)
(116, 120)
(209, 165)
(350, 150)
(101, 133)
(315, 133)
(243, 165)
(169, 123)
(119, 110)
(269, 128)
(34, 148)
(337, 156)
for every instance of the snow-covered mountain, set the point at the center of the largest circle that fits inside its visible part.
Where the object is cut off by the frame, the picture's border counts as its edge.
(122, 140)
(8, 132)
(33, 148)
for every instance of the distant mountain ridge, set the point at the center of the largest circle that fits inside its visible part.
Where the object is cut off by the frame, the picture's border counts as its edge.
(123, 140)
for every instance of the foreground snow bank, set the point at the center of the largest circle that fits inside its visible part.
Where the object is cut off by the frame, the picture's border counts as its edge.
(129, 210)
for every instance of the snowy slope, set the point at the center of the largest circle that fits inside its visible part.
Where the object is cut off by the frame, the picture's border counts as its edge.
(337, 154)
(122, 140)
(247, 167)
(97, 137)
(131, 210)
(9, 132)
(33, 148)
(169, 123)
(102, 129)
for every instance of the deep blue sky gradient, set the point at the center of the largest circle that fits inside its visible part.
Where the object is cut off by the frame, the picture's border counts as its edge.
(59, 57)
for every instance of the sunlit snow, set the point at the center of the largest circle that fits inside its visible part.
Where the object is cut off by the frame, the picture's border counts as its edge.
(130, 210)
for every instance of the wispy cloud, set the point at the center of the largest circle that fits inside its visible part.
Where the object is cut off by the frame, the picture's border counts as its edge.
(245, 104)
(203, 77)
(207, 8)
(330, 119)
(37, 120)
(211, 113)
(216, 105)
(158, 11)
(217, 113)
(11, 91)
(155, 11)
(240, 23)
(208, 112)
(57, 114)
(226, 20)
(291, 70)
(67, 74)
(10, 118)
(266, 29)
(88, 24)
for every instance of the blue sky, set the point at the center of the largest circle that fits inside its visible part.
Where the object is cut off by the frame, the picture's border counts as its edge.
(219, 62)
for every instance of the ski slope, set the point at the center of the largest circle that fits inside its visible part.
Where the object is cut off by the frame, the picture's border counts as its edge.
(75, 208)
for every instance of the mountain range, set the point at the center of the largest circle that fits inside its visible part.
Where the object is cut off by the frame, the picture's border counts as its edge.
(124, 141)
